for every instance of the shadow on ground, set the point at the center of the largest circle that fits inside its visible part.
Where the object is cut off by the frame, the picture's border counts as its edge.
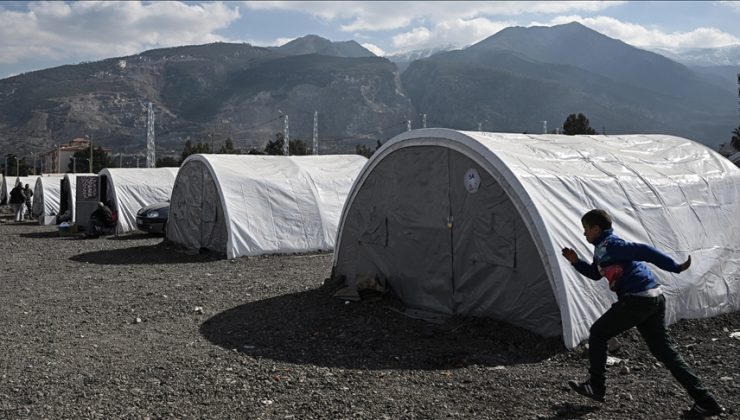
(161, 253)
(312, 327)
(572, 411)
(132, 236)
(39, 235)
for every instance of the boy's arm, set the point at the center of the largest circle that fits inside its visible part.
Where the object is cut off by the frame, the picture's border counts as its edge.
(630, 251)
(591, 271)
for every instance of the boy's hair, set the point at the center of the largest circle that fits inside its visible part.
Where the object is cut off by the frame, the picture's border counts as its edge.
(597, 217)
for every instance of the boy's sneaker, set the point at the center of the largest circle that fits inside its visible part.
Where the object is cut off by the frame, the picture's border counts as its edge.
(708, 407)
(587, 389)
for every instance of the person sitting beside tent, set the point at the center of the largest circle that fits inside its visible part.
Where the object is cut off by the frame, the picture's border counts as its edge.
(27, 194)
(17, 199)
(64, 217)
(102, 222)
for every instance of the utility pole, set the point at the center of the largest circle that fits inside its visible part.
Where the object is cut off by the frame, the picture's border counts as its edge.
(91, 153)
(150, 157)
(315, 132)
(286, 136)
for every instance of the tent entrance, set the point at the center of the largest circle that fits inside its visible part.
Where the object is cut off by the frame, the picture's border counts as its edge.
(196, 219)
(448, 239)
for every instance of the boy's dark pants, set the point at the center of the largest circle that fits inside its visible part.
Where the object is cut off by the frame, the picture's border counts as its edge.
(648, 315)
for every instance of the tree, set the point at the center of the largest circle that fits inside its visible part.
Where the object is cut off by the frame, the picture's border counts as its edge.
(191, 149)
(295, 146)
(275, 147)
(735, 142)
(363, 150)
(80, 161)
(167, 162)
(228, 148)
(16, 167)
(577, 124)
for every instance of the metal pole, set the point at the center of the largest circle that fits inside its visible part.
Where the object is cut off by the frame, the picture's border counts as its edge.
(315, 133)
(424, 120)
(286, 137)
(91, 153)
(120, 159)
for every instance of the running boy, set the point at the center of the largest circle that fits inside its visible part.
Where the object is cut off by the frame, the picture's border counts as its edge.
(640, 304)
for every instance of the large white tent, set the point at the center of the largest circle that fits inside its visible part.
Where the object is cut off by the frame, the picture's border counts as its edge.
(130, 189)
(46, 196)
(473, 223)
(251, 205)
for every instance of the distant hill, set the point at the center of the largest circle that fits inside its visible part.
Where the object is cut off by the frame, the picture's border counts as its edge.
(509, 82)
(519, 77)
(230, 90)
(314, 44)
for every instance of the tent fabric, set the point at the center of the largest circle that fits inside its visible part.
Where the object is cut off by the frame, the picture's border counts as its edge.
(246, 205)
(46, 196)
(67, 194)
(473, 223)
(130, 189)
(9, 183)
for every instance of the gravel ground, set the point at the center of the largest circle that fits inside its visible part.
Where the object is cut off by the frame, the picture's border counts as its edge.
(130, 327)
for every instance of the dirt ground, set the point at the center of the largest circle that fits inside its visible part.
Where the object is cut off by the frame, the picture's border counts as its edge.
(129, 327)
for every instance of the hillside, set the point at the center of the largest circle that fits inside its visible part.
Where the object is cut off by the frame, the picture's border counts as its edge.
(230, 90)
(521, 76)
(510, 82)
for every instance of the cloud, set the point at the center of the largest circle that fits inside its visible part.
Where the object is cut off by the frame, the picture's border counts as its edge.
(374, 49)
(643, 37)
(733, 5)
(372, 16)
(458, 32)
(93, 30)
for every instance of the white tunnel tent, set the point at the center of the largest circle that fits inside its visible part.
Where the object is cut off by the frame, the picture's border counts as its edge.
(472, 223)
(130, 189)
(246, 205)
(46, 197)
(9, 182)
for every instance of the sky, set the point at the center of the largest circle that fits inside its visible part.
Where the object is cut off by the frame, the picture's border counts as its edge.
(35, 35)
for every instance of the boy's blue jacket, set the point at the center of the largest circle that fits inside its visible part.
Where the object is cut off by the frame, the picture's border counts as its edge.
(636, 277)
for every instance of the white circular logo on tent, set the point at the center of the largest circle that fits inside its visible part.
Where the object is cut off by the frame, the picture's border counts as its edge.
(472, 180)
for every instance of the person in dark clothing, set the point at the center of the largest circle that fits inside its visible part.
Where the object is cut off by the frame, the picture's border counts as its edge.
(102, 222)
(16, 200)
(640, 304)
(27, 194)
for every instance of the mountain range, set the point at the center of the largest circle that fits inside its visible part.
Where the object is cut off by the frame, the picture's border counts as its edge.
(511, 82)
